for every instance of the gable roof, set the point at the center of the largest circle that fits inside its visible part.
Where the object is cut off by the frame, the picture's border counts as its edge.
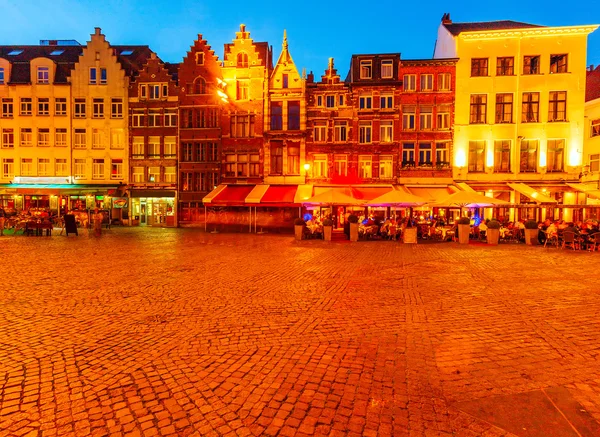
(20, 70)
(458, 28)
(592, 84)
(134, 62)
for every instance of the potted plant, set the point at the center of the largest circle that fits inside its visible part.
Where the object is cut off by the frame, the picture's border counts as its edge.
(531, 232)
(299, 224)
(493, 232)
(353, 220)
(409, 235)
(327, 229)
(464, 229)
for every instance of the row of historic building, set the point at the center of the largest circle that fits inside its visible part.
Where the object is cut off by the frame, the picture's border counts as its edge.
(501, 108)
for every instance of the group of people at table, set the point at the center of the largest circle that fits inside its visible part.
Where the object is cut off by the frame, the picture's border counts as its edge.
(36, 221)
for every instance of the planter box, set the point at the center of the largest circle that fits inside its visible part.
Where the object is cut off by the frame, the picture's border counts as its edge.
(353, 231)
(463, 233)
(493, 235)
(531, 237)
(327, 230)
(410, 235)
(298, 231)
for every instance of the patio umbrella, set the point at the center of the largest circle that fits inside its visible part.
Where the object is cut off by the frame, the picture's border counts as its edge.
(468, 199)
(398, 198)
(333, 197)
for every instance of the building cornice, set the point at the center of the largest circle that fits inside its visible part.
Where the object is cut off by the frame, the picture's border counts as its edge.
(534, 31)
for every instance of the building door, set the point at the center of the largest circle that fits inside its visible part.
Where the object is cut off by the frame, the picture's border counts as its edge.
(143, 209)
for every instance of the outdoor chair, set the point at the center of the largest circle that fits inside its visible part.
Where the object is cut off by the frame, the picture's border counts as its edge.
(569, 239)
(551, 238)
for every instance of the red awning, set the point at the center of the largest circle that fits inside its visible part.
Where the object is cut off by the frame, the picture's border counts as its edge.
(232, 195)
(279, 195)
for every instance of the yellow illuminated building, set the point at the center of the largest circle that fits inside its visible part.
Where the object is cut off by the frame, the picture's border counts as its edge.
(519, 119)
(590, 176)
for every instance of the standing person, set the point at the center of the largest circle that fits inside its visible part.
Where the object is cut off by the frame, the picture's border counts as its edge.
(97, 219)
(2, 218)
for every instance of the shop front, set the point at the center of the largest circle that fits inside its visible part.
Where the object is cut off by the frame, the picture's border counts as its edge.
(151, 208)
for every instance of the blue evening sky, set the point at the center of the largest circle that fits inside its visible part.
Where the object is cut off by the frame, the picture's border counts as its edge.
(316, 29)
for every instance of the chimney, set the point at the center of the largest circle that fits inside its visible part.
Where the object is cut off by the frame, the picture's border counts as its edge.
(446, 18)
(591, 67)
(97, 31)
(242, 27)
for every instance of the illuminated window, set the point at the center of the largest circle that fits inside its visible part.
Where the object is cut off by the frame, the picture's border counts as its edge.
(528, 156)
(557, 108)
(43, 138)
(366, 69)
(116, 169)
(386, 131)
(479, 67)
(365, 167)
(243, 89)
(8, 168)
(502, 156)
(293, 159)
(199, 86)
(320, 169)
(595, 163)
(97, 139)
(595, 128)
(98, 168)
(478, 109)
(171, 174)
(504, 108)
(530, 108)
(476, 156)
(340, 165)
(79, 168)
(242, 60)
(154, 147)
(555, 155)
(170, 147)
(60, 167)
(408, 117)
(426, 117)
(26, 137)
(137, 174)
(79, 141)
(386, 165)
(505, 66)
(320, 132)
(531, 64)
(26, 167)
(443, 117)
(117, 139)
(60, 138)
(154, 174)
(44, 168)
(558, 64)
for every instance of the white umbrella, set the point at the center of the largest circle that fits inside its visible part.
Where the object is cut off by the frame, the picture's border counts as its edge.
(398, 198)
(469, 199)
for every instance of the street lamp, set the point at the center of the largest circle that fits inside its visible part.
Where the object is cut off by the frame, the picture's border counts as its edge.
(306, 168)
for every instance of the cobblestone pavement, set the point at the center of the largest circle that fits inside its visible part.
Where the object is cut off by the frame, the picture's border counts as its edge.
(148, 332)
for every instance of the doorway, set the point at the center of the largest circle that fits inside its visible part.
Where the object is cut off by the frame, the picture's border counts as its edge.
(143, 208)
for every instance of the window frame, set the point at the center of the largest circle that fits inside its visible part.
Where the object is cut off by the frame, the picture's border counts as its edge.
(480, 67)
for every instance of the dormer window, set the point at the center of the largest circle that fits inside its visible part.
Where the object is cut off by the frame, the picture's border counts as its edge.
(15, 52)
(43, 75)
(242, 60)
(366, 69)
(387, 69)
(285, 80)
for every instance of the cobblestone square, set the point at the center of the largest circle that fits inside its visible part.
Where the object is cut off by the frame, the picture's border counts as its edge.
(148, 332)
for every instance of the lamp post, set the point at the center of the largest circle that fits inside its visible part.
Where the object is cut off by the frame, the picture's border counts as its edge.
(306, 168)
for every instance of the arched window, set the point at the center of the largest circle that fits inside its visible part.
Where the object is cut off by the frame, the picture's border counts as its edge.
(199, 86)
(242, 60)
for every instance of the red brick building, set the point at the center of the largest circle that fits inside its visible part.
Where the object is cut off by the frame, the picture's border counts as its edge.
(153, 106)
(201, 97)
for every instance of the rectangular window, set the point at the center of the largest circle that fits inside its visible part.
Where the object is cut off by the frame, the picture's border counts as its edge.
(365, 102)
(242, 164)
(98, 169)
(443, 117)
(116, 108)
(60, 106)
(60, 137)
(479, 67)
(117, 139)
(340, 165)
(341, 100)
(444, 80)
(595, 128)
(557, 108)
(427, 82)
(504, 108)
(44, 168)
(43, 139)
(386, 131)
(7, 108)
(276, 157)
(79, 141)
(170, 147)
(26, 106)
(425, 117)
(558, 64)
(43, 75)
(170, 117)
(529, 156)
(330, 101)
(387, 69)
(103, 76)
(425, 154)
(531, 64)
(555, 156)
(530, 109)
(26, 137)
(154, 118)
(366, 69)
(595, 163)
(505, 66)
(8, 168)
(1, 76)
(8, 139)
(26, 167)
(339, 131)
(386, 165)
(364, 132)
(212, 152)
(243, 90)
(143, 91)
(319, 101)
(365, 167)
(408, 155)
(254, 164)
(138, 118)
(410, 82)
(93, 76)
(285, 81)
(320, 167)
(242, 126)
(199, 58)
(154, 175)
(293, 160)
(79, 168)
(320, 132)
(386, 101)
(154, 91)
(171, 174)
(79, 110)
(116, 169)
(60, 167)
(230, 165)
(43, 107)
(502, 156)
(138, 174)
(478, 109)
(98, 108)
(441, 154)
(186, 152)
(476, 156)
(294, 115)
(97, 139)
(408, 117)
(154, 147)
(276, 115)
